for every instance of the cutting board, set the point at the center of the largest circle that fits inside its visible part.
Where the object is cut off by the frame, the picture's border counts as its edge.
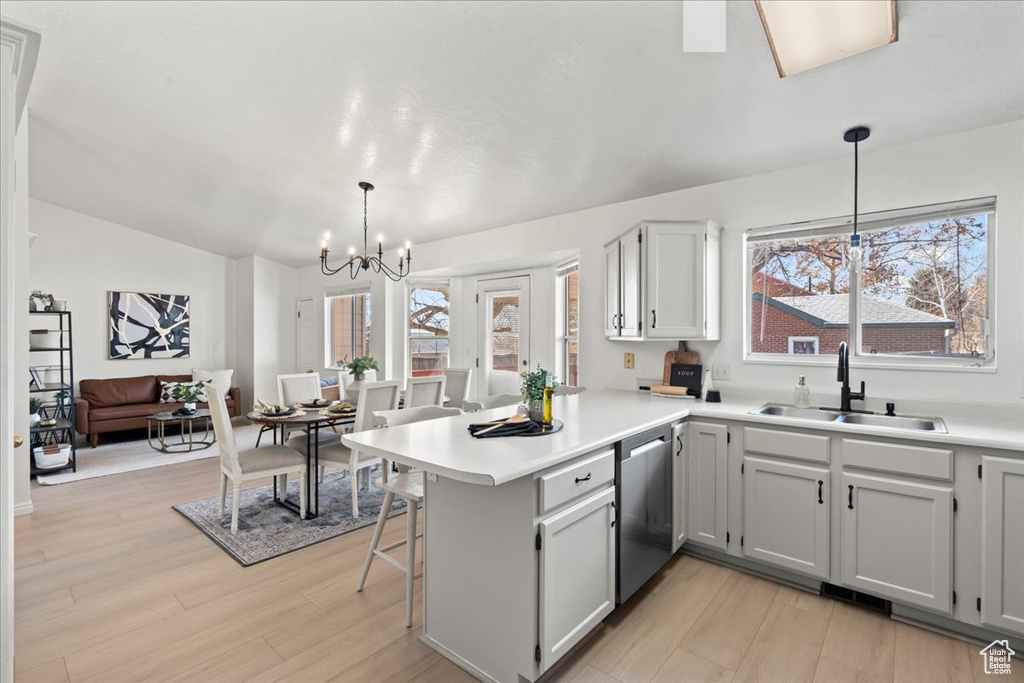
(680, 355)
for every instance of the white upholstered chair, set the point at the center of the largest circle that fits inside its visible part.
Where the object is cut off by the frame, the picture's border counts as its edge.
(408, 485)
(296, 388)
(496, 401)
(346, 379)
(425, 391)
(457, 387)
(565, 390)
(269, 461)
(373, 396)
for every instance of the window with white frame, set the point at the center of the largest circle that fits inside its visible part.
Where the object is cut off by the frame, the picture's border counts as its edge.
(569, 334)
(347, 333)
(429, 326)
(921, 293)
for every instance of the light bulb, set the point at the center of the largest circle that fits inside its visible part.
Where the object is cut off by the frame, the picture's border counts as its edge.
(380, 239)
(351, 251)
(408, 244)
(401, 253)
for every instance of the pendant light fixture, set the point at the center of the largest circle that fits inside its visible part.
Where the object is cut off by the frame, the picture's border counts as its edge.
(367, 260)
(856, 136)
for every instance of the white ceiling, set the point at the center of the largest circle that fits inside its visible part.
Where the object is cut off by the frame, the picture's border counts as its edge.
(243, 128)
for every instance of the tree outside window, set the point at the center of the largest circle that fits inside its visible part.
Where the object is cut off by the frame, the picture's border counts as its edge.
(429, 326)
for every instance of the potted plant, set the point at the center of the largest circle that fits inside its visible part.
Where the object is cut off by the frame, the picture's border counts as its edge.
(188, 394)
(39, 300)
(359, 366)
(35, 404)
(533, 391)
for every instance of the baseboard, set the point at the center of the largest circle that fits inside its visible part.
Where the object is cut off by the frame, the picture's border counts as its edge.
(23, 509)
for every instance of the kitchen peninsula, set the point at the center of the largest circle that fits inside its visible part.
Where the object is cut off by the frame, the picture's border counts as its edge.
(520, 536)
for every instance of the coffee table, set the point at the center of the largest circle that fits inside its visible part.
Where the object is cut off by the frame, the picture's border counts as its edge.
(186, 436)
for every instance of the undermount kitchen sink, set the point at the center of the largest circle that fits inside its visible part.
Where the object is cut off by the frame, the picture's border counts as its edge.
(921, 424)
(918, 424)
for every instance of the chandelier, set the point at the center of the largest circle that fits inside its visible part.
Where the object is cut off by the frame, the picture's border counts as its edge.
(368, 261)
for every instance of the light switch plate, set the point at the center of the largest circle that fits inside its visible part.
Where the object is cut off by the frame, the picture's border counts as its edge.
(627, 361)
(721, 371)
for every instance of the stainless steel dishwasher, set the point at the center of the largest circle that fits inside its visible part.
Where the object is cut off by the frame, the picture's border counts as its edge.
(643, 481)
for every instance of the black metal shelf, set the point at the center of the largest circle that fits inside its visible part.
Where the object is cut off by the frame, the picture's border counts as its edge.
(54, 386)
(63, 432)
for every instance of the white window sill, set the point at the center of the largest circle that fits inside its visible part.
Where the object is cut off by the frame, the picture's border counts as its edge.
(881, 363)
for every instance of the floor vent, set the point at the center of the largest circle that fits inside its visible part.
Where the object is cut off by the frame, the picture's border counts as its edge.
(829, 590)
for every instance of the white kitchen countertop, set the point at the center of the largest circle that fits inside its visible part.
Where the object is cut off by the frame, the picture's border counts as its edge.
(599, 418)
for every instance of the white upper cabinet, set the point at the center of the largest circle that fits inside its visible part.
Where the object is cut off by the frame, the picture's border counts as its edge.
(662, 281)
(1002, 544)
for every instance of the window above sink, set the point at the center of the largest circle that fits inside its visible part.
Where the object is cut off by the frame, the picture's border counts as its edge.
(920, 298)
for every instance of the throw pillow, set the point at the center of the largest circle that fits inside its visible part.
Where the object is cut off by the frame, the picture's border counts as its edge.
(168, 390)
(219, 378)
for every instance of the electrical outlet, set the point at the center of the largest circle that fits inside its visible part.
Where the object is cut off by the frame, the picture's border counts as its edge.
(721, 371)
(627, 361)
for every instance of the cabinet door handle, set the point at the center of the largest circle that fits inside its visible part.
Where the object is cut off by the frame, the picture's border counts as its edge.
(586, 478)
(850, 502)
(679, 442)
(820, 485)
(654, 318)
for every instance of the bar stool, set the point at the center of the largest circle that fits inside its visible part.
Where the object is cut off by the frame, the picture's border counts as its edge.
(408, 485)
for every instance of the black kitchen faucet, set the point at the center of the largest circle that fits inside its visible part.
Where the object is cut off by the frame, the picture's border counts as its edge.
(845, 395)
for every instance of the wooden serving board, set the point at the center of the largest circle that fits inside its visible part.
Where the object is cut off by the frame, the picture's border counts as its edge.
(680, 355)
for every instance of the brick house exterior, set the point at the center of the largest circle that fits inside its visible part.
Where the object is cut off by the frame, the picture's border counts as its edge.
(817, 323)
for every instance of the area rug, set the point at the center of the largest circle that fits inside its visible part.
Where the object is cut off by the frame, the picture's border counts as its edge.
(116, 457)
(267, 530)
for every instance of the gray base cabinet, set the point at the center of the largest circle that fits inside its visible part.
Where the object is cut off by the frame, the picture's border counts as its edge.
(679, 533)
(785, 515)
(708, 456)
(1002, 544)
(577, 570)
(897, 540)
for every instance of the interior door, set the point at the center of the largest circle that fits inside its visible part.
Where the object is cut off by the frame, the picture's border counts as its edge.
(305, 347)
(504, 335)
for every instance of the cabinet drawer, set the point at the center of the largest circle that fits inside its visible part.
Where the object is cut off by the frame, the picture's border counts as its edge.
(572, 481)
(786, 444)
(934, 463)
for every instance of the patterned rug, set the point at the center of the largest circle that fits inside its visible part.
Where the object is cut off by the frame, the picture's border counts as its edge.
(267, 530)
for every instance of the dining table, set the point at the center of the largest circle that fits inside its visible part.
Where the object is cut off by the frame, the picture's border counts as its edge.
(311, 421)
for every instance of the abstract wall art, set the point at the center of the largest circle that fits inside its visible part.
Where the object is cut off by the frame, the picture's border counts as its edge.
(144, 325)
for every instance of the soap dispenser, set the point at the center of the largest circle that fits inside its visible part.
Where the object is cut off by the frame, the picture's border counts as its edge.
(802, 393)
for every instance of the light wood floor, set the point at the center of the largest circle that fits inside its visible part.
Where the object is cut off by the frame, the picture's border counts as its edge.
(112, 585)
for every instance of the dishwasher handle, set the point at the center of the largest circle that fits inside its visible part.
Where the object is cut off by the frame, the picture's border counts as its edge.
(640, 450)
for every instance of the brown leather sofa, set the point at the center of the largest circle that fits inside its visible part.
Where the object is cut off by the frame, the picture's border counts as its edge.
(111, 405)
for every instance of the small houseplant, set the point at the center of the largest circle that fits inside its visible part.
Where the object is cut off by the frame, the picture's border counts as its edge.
(35, 404)
(359, 366)
(533, 391)
(39, 300)
(188, 394)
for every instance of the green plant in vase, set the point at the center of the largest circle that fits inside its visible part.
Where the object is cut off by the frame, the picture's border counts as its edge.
(188, 394)
(533, 391)
(39, 300)
(360, 366)
(34, 406)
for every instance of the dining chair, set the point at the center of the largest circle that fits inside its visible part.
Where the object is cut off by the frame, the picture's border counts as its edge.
(373, 396)
(496, 401)
(425, 391)
(253, 463)
(457, 388)
(346, 379)
(407, 484)
(295, 388)
(566, 390)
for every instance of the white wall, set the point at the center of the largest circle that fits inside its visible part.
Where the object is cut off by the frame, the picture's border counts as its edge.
(977, 163)
(79, 258)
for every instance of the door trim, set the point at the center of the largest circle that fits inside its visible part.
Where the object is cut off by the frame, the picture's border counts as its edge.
(522, 283)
